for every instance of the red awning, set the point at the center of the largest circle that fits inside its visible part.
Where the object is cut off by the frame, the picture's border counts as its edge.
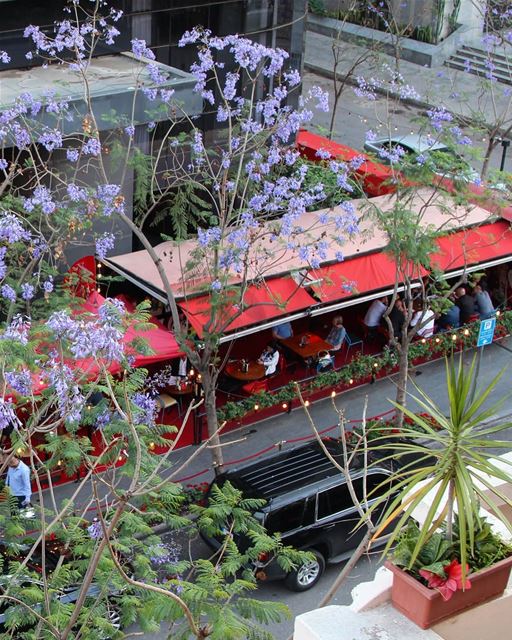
(161, 341)
(376, 178)
(472, 246)
(273, 299)
(356, 276)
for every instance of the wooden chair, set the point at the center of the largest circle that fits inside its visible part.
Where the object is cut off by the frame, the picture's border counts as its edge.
(165, 401)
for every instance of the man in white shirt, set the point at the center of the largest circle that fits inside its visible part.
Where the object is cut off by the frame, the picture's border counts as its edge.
(374, 315)
(426, 319)
(269, 358)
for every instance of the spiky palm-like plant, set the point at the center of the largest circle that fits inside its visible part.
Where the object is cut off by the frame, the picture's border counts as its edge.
(454, 465)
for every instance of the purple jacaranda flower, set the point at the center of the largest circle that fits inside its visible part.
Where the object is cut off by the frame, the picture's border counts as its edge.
(155, 73)
(8, 293)
(103, 419)
(19, 381)
(3, 266)
(51, 139)
(72, 154)
(110, 198)
(5, 57)
(104, 244)
(76, 193)
(18, 330)
(130, 130)
(3, 164)
(11, 229)
(27, 291)
(438, 116)
(95, 530)
(145, 409)
(48, 285)
(140, 50)
(42, 197)
(92, 147)
(8, 417)
(216, 285)
(69, 399)
(323, 154)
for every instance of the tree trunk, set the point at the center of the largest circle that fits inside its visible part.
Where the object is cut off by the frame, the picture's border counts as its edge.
(210, 405)
(487, 158)
(401, 386)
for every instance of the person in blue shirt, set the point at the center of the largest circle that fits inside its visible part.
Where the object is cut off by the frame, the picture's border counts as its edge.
(484, 303)
(450, 319)
(18, 481)
(336, 334)
(282, 331)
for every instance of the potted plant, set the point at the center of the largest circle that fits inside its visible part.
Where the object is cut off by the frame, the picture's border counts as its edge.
(439, 567)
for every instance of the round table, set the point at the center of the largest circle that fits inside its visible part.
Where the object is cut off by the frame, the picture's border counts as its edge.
(255, 371)
(184, 389)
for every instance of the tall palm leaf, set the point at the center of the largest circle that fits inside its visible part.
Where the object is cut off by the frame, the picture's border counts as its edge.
(461, 470)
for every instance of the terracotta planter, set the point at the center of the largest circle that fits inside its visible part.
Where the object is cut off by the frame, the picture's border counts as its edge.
(426, 606)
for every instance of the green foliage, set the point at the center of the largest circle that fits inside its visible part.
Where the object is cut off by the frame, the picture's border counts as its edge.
(454, 466)
(438, 551)
(317, 7)
(185, 210)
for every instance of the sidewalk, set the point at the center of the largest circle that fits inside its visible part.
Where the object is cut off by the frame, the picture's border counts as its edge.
(246, 442)
(461, 93)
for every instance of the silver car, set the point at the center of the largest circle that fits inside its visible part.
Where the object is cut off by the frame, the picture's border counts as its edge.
(442, 160)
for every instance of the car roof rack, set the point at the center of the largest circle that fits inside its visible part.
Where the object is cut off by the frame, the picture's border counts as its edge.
(289, 470)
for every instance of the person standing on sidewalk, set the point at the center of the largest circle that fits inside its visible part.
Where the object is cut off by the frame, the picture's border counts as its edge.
(18, 481)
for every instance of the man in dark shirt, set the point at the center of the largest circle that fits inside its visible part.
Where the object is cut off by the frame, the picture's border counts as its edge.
(397, 318)
(466, 305)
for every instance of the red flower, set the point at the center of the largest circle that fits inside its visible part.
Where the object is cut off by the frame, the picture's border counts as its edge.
(447, 586)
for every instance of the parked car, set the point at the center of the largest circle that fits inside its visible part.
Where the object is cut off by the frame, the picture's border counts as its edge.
(442, 160)
(27, 580)
(308, 504)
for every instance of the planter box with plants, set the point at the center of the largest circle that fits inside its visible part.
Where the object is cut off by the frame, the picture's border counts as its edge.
(452, 560)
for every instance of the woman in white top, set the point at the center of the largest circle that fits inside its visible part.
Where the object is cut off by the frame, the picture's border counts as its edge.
(269, 358)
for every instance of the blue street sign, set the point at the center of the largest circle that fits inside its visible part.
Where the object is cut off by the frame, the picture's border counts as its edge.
(486, 333)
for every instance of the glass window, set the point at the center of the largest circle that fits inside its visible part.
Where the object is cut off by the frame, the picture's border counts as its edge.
(287, 518)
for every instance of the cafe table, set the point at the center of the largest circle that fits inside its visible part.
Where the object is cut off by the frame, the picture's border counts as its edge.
(306, 345)
(255, 370)
(183, 388)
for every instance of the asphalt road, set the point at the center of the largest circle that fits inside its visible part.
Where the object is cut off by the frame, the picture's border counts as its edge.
(354, 117)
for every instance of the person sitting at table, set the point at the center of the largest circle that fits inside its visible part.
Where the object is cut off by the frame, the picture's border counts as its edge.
(282, 331)
(466, 304)
(336, 334)
(450, 319)
(484, 304)
(425, 319)
(269, 358)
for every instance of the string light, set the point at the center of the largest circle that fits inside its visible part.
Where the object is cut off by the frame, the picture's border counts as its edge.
(306, 404)
(437, 340)
(191, 373)
(333, 394)
(285, 406)
(351, 381)
(466, 332)
(423, 341)
(498, 313)
(454, 336)
(375, 364)
(256, 407)
(151, 445)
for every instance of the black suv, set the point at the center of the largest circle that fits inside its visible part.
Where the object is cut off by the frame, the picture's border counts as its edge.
(309, 504)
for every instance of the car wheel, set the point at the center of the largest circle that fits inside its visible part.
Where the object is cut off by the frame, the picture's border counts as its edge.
(307, 575)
